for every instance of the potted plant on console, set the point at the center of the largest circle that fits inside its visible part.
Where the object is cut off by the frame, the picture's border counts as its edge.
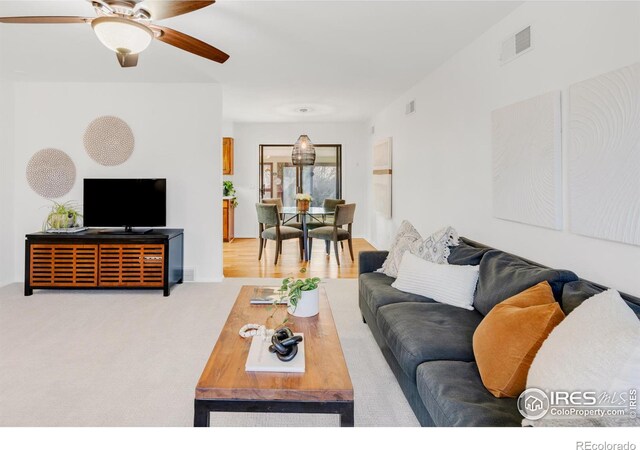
(304, 296)
(62, 216)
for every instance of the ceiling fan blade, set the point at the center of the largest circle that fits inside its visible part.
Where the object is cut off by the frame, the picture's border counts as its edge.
(163, 9)
(189, 44)
(127, 59)
(45, 19)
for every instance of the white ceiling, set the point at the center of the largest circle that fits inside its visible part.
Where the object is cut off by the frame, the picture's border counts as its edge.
(343, 59)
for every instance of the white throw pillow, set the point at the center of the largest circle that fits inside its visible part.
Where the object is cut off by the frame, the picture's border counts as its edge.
(444, 283)
(595, 348)
(405, 236)
(435, 248)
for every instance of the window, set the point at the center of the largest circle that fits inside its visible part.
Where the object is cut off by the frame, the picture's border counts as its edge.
(281, 179)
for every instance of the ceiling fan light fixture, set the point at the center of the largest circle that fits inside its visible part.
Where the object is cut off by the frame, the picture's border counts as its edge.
(122, 35)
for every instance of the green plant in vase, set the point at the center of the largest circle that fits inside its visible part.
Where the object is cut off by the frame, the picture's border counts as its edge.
(228, 190)
(303, 295)
(63, 215)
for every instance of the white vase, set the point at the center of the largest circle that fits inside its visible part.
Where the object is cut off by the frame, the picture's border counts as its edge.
(308, 305)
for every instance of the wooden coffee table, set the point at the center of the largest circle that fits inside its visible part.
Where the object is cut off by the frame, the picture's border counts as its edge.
(325, 387)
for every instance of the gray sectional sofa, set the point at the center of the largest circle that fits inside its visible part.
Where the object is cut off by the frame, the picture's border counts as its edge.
(428, 345)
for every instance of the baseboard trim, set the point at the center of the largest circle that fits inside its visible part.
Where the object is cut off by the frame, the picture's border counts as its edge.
(207, 280)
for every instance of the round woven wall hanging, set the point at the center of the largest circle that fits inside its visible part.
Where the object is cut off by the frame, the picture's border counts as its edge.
(51, 173)
(109, 141)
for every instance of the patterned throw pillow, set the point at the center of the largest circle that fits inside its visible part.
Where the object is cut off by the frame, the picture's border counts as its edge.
(435, 248)
(405, 237)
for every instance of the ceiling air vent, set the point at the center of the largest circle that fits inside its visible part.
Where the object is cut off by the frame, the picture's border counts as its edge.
(515, 45)
(411, 107)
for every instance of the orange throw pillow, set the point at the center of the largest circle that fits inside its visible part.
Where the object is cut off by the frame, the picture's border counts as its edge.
(508, 338)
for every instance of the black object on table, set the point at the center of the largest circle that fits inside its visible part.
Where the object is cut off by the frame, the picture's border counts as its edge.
(284, 344)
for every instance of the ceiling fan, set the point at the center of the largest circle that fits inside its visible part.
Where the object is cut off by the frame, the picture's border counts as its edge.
(125, 27)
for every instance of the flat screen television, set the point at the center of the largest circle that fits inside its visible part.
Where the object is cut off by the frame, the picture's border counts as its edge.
(125, 202)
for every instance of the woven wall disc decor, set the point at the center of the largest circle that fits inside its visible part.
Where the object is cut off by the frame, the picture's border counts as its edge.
(109, 141)
(51, 173)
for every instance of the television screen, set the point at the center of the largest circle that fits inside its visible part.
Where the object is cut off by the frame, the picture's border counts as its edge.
(123, 202)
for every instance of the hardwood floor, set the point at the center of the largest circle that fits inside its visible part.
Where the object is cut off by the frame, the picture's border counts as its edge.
(241, 260)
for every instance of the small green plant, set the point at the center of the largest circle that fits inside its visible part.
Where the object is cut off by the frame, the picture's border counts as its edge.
(63, 215)
(283, 291)
(228, 190)
(293, 288)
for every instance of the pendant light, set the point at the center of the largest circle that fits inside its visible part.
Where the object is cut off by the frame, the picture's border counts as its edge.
(304, 153)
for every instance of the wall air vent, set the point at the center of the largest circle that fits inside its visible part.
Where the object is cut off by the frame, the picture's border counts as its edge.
(189, 274)
(411, 107)
(515, 45)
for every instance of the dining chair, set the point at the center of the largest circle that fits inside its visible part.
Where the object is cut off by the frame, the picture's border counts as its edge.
(328, 204)
(335, 233)
(271, 229)
(278, 202)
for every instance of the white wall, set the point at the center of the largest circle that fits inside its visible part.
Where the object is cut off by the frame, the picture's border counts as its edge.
(177, 128)
(355, 163)
(227, 128)
(442, 154)
(7, 242)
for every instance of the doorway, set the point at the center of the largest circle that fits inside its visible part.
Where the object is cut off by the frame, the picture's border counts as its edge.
(279, 178)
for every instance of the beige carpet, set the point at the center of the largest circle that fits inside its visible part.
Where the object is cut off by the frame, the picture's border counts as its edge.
(132, 358)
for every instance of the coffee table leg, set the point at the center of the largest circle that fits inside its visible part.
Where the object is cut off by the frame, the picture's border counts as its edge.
(201, 414)
(346, 416)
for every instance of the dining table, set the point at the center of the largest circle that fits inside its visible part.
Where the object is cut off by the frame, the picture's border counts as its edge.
(314, 216)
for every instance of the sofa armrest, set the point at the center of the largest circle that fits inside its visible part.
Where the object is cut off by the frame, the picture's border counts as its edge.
(370, 261)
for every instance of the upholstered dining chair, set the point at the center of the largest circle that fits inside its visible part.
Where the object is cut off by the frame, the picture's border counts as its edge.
(271, 229)
(278, 202)
(274, 201)
(328, 204)
(335, 233)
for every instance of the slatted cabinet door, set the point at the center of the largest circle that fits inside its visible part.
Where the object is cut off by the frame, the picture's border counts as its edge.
(132, 265)
(63, 265)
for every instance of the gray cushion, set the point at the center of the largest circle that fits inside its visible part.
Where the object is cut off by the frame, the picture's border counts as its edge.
(466, 255)
(326, 233)
(454, 395)
(285, 233)
(320, 221)
(291, 224)
(503, 275)
(377, 291)
(576, 292)
(371, 260)
(419, 332)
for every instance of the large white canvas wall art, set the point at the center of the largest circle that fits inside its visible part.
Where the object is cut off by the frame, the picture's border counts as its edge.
(382, 175)
(604, 156)
(527, 161)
